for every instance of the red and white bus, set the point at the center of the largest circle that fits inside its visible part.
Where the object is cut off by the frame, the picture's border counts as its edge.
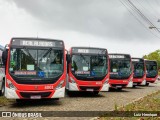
(139, 72)
(88, 69)
(121, 71)
(35, 69)
(152, 71)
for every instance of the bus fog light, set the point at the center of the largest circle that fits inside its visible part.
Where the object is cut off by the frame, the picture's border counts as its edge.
(11, 86)
(72, 80)
(60, 85)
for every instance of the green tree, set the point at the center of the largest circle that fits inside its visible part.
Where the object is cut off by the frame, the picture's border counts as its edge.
(154, 56)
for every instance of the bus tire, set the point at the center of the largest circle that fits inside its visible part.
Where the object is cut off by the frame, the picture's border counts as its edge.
(19, 101)
(147, 84)
(2, 91)
(95, 92)
(55, 98)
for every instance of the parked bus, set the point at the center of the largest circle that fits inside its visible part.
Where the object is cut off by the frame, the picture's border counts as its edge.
(88, 69)
(121, 72)
(36, 69)
(139, 72)
(152, 71)
(2, 73)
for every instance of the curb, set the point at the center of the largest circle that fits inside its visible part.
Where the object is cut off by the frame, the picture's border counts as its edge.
(96, 118)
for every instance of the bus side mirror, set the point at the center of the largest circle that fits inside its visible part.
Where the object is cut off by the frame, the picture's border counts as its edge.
(68, 58)
(4, 57)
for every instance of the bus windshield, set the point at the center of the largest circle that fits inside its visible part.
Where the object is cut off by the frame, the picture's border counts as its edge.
(138, 69)
(36, 62)
(89, 65)
(151, 69)
(120, 69)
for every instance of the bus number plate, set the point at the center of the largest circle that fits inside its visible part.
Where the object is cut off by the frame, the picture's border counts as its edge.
(118, 86)
(89, 89)
(134, 83)
(35, 97)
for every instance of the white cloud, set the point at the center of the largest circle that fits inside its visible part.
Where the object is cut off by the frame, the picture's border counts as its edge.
(105, 24)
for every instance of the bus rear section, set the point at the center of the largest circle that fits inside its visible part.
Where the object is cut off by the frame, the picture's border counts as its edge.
(121, 73)
(35, 69)
(139, 72)
(88, 69)
(151, 71)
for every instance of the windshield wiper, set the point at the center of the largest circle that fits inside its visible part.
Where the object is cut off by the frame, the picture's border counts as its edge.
(26, 49)
(84, 59)
(49, 50)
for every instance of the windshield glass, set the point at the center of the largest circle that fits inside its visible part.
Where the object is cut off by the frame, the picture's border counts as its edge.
(89, 65)
(120, 69)
(36, 63)
(138, 69)
(151, 69)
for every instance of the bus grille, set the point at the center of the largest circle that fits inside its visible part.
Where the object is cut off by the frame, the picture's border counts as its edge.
(85, 88)
(29, 94)
(123, 85)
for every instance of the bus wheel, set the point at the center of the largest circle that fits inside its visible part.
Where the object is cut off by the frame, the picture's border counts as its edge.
(2, 91)
(147, 84)
(19, 101)
(95, 92)
(69, 93)
(55, 98)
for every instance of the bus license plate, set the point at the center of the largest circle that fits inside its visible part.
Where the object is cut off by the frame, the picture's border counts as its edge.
(35, 97)
(89, 89)
(134, 83)
(118, 86)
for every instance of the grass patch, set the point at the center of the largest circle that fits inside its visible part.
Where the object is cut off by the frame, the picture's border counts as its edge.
(4, 101)
(148, 103)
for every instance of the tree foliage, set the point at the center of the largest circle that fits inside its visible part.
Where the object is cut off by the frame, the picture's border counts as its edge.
(154, 56)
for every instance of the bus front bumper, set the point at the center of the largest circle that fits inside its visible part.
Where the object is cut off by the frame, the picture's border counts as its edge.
(16, 94)
(151, 80)
(75, 87)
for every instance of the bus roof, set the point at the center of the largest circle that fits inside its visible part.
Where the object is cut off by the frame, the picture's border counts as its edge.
(136, 58)
(150, 60)
(118, 54)
(34, 38)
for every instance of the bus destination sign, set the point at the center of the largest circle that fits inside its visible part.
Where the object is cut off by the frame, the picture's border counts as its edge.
(37, 43)
(89, 51)
(112, 56)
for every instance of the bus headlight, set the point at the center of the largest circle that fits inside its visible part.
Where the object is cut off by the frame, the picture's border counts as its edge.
(10, 84)
(72, 80)
(60, 85)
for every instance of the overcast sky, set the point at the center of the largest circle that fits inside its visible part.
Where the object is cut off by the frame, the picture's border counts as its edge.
(95, 23)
